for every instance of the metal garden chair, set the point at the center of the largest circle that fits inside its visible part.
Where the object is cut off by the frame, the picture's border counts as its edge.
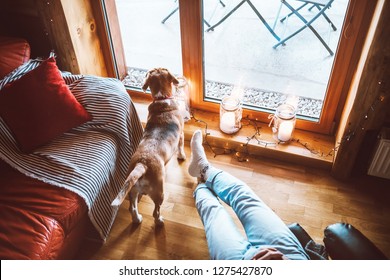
(321, 5)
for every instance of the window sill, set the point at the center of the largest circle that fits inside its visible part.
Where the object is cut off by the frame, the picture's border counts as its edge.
(306, 148)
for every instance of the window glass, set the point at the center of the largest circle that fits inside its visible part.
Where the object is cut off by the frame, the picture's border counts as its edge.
(151, 37)
(241, 55)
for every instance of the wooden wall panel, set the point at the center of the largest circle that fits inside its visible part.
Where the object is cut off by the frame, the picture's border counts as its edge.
(73, 33)
(372, 101)
(83, 33)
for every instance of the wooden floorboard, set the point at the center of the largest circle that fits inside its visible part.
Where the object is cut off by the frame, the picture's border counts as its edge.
(296, 193)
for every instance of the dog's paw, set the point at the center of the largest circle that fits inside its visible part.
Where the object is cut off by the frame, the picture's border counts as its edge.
(159, 221)
(137, 219)
(181, 156)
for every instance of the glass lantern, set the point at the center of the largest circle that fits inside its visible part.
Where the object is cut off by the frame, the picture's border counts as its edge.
(182, 96)
(283, 123)
(230, 115)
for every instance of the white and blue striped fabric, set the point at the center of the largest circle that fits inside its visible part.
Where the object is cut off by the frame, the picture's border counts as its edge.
(92, 159)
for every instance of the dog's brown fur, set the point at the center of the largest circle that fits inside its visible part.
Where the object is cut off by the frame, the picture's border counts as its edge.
(163, 136)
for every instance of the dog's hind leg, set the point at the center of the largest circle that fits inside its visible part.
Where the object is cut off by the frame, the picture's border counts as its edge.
(134, 197)
(181, 154)
(158, 219)
(158, 198)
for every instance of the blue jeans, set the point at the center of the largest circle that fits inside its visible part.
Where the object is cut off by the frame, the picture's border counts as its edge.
(262, 226)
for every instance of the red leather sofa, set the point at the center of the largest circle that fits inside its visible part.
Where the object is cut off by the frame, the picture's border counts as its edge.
(65, 143)
(37, 220)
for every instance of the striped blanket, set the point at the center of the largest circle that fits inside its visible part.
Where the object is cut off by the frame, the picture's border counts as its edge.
(92, 159)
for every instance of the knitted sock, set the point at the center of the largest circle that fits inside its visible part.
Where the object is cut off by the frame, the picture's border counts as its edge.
(199, 165)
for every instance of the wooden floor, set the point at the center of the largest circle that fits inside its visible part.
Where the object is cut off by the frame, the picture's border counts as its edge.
(308, 196)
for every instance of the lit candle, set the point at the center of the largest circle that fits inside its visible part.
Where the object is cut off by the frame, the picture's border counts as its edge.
(230, 115)
(228, 122)
(285, 131)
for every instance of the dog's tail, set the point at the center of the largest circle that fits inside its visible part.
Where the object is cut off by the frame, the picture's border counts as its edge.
(138, 171)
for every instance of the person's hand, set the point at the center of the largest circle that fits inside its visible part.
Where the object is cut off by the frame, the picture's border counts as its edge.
(269, 254)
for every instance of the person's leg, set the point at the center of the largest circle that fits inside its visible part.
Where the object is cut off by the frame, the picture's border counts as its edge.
(262, 226)
(224, 240)
(199, 165)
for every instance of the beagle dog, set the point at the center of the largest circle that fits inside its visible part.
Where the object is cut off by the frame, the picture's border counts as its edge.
(163, 136)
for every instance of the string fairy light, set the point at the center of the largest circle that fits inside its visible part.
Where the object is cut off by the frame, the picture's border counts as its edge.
(243, 154)
(361, 125)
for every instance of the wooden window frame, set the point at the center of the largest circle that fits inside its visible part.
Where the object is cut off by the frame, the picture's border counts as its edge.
(355, 28)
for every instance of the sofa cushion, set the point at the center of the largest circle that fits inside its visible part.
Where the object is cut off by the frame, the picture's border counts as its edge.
(23, 69)
(28, 235)
(13, 52)
(40, 107)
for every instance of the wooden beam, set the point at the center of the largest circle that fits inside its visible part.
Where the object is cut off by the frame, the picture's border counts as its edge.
(73, 32)
(110, 35)
(371, 103)
(355, 49)
(83, 33)
(192, 46)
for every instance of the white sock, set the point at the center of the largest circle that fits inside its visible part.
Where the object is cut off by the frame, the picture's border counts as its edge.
(199, 164)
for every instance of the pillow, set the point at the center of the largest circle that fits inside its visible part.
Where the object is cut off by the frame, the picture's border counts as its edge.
(39, 107)
(22, 70)
(13, 52)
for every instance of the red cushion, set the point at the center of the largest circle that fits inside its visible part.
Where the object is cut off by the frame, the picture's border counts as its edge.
(40, 107)
(13, 52)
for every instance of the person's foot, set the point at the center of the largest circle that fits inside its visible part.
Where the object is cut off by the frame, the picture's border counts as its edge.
(198, 164)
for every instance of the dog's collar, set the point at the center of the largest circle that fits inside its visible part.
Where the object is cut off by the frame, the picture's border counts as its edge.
(163, 98)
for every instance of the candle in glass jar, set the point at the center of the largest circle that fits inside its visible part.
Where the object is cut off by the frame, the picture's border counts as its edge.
(285, 131)
(181, 94)
(228, 122)
(182, 106)
(183, 109)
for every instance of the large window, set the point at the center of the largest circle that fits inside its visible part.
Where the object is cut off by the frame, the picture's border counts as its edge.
(147, 42)
(240, 55)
